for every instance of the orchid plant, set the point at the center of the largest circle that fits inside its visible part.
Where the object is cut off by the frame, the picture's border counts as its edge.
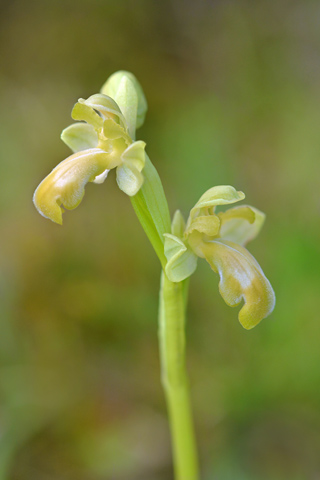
(103, 138)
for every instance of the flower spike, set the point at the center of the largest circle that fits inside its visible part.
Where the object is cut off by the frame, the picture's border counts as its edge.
(104, 139)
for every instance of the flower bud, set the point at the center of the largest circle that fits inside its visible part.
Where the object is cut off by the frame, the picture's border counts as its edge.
(122, 86)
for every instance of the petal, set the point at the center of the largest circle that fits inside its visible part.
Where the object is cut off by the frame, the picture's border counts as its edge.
(182, 262)
(207, 224)
(65, 184)
(129, 179)
(204, 225)
(83, 112)
(80, 136)
(111, 88)
(241, 277)
(178, 224)
(113, 131)
(221, 195)
(134, 155)
(101, 178)
(241, 224)
(106, 106)
(122, 89)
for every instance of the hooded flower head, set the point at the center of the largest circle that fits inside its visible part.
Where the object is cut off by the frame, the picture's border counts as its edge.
(102, 139)
(220, 239)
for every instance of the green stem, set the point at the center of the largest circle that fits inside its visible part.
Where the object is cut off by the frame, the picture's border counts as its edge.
(151, 207)
(174, 378)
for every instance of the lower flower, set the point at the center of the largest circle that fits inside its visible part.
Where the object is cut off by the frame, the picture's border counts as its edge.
(220, 239)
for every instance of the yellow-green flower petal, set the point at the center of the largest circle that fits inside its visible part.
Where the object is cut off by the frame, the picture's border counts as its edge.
(241, 224)
(113, 130)
(80, 136)
(129, 179)
(182, 262)
(178, 224)
(107, 107)
(129, 176)
(111, 87)
(65, 184)
(241, 278)
(127, 99)
(206, 226)
(83, 112)
(220, 195)
(135, 155)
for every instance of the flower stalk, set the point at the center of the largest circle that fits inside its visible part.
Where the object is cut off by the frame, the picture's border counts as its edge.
(174, 378)
(151, 207)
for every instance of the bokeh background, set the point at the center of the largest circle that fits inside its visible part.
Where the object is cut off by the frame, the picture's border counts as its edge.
(234, 98)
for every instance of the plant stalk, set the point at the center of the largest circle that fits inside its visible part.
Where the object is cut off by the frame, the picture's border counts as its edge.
(174, 378)
(151, 207)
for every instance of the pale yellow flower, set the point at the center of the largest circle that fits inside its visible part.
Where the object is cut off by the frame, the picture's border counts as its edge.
(99, 145)
(220, 239)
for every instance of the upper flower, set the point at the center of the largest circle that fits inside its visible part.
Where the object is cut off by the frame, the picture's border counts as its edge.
(220, 239)
(103, 142)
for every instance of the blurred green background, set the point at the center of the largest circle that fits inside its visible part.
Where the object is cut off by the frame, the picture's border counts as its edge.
(234, 98)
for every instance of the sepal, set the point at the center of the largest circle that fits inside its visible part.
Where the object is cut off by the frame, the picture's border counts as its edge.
(220, 195)
(178, 224)
(129, 176)
(135, 155)
(129, 179)
(80, 136)
(127, 99)
(208, 225)
(114, 131)
(85, 113)
(241, 224)
(106, 106)
(200, 228)
(181, 261)
(118, 86)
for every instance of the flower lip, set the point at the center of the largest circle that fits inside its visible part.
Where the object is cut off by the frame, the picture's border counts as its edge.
(241, 278)
(66, 183)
